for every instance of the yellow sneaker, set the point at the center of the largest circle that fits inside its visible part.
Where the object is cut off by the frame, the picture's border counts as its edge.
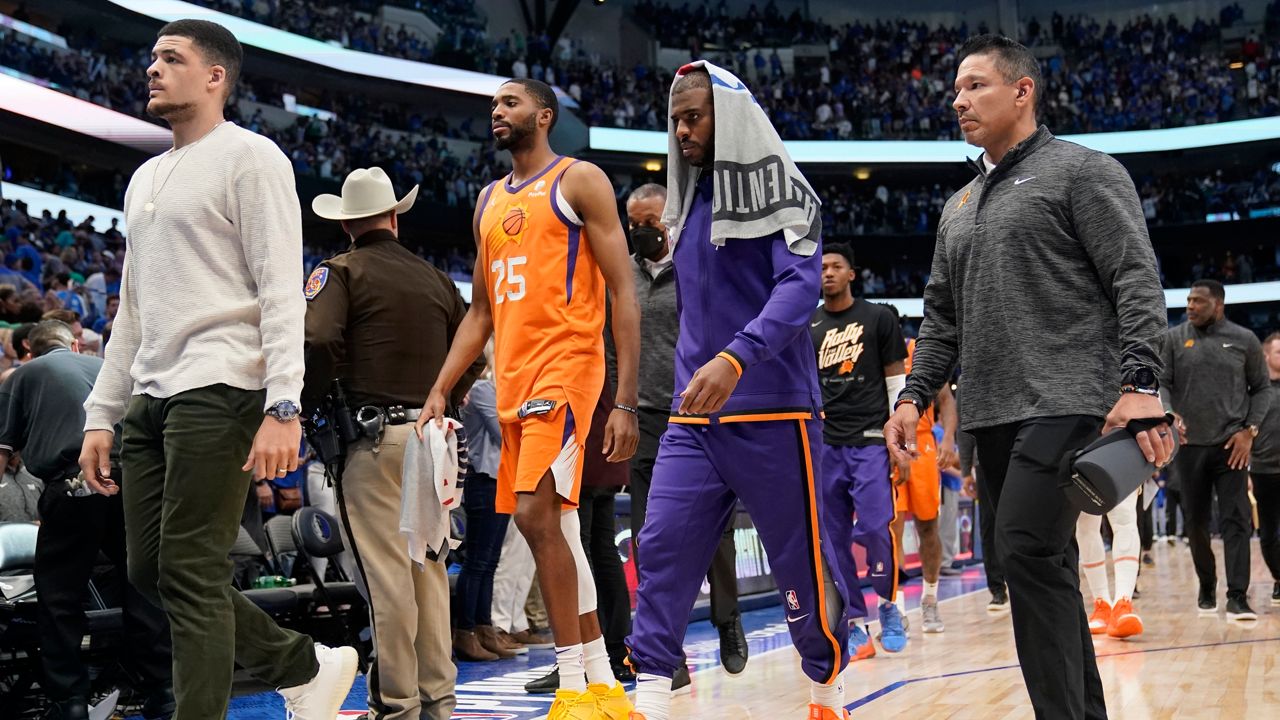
(611, 702)
(570, 705)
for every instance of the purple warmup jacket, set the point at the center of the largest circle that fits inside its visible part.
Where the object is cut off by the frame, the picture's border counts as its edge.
(752, 299)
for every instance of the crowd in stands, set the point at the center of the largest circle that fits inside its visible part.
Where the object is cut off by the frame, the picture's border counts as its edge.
(51, 263)
(879, 80)
(894, 79)
(408, 144)
(55, 268)
(411, 146)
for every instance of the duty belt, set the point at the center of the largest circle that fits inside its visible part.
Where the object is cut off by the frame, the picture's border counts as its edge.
(372, 418)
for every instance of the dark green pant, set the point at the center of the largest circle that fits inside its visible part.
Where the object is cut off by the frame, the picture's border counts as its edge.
(182, 510)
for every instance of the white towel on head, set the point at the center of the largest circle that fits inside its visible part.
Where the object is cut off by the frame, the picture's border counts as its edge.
(758, 188)
(430, 486)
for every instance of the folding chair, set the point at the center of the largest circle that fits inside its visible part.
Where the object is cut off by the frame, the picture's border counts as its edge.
(315, 535)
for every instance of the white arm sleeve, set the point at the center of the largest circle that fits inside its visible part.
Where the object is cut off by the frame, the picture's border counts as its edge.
(893, 386)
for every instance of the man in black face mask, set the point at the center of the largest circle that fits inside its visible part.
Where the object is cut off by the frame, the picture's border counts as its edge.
(659, 325)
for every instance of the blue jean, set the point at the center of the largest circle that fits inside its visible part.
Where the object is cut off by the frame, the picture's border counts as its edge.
(485, 530)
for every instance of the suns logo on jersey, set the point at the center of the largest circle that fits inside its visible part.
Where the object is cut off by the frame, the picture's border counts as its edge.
(512, 227)
(842, 347)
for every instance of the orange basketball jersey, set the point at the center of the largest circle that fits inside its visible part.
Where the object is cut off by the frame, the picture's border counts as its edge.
(547, 296)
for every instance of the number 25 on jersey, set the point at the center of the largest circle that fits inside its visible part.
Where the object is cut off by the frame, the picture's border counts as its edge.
(509, 271)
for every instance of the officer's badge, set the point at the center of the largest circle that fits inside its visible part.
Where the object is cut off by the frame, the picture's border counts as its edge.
(316, 282)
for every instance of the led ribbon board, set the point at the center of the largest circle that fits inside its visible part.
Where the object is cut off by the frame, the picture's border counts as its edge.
(54, 108)
(38, 201)
(323, 53)
(650, 142)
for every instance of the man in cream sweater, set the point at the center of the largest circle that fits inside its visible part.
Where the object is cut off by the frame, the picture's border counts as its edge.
(192, 375)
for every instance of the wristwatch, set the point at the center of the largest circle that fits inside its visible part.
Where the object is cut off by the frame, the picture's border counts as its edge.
(1253, 430)
(1142, 380)
(284, 411)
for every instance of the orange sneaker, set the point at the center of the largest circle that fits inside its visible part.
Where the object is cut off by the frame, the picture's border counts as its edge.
(637, 716)
(819, 712)
(1100, 620)
(1124, 621)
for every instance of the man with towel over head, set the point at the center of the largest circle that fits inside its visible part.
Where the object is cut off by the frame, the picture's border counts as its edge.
(745, 419)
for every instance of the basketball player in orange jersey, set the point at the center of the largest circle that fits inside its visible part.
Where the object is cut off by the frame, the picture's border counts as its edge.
(549, 242)
(920, 494)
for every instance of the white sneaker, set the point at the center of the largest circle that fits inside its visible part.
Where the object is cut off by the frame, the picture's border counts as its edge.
(932, 618)
(321, 699)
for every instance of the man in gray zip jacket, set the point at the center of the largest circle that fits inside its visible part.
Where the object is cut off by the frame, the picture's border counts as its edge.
(1215, 379)
(1044, 287)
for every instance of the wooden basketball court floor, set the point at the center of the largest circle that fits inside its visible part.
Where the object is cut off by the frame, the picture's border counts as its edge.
(1182, 666)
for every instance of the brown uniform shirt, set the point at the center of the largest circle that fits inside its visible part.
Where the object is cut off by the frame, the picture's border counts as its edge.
(381, 319)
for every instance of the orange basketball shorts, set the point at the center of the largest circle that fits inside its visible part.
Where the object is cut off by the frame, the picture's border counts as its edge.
(534, 446)
(921, 495)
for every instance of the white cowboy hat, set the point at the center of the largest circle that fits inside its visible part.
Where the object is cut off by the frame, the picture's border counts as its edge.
(366, 192)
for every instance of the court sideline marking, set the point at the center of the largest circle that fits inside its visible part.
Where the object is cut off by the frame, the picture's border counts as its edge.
(903, 683)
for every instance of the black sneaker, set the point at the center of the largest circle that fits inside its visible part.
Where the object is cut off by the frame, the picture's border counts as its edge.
(1238, 608)
(622, 672)
(681, 680)
(999, 600)
(1208, 600)
(733, 646)
(160, 706)
(1275, 594)
(545, 685)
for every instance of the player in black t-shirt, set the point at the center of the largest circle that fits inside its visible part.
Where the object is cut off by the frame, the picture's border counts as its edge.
(860, 368)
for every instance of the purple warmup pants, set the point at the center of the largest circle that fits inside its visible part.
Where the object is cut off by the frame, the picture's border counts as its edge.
(856, 480)
(771, 466)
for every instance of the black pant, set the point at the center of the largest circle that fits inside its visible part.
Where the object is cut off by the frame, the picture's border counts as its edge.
(1202, 470)
(722, 575)
(1266, 490)
(485, 532)
(987, 532)
(613, 601)
(1035, 541)
(72, 530)
(1146, 526)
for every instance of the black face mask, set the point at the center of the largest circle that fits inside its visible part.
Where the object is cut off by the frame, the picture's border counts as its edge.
(647, 241)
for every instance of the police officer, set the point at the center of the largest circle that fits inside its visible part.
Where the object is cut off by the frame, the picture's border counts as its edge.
(381, 320)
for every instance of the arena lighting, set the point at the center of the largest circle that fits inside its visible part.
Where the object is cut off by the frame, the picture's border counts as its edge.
(322, 53)
(30, 30)
(955, 151)
(653, 165)
(862, 173)
(77, 210)
(54, 108)
(1174, 299)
